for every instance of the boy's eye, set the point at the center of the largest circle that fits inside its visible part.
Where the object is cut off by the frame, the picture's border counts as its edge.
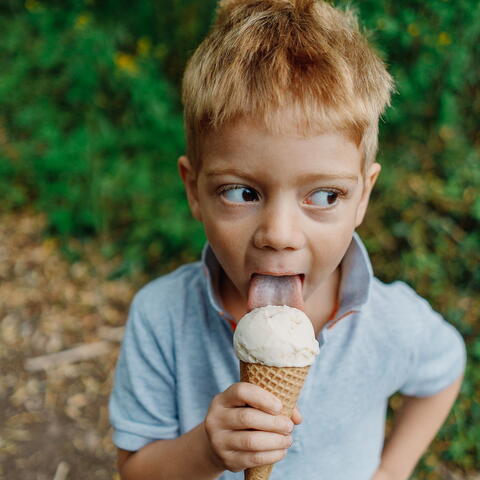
(323, 198)
(239, 194)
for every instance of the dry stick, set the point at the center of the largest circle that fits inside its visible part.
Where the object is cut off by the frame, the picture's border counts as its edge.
(112, 334)
(62, 471)
(83, 352)
(76, 354)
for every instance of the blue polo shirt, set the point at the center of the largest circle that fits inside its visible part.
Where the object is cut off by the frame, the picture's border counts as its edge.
(177, 354)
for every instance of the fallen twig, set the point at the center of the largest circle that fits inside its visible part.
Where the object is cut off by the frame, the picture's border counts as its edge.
(76, 354)
(112, 334)
(62, 471)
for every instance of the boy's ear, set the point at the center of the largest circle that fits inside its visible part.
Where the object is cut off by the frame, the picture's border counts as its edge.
(189, 179)
(370, 179)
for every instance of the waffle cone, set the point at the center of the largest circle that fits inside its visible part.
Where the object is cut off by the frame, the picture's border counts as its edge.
(285, 383)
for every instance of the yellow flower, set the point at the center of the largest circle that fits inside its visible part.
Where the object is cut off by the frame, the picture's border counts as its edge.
(444, 39)
(82, 20)
(33, 5)
(126, 62)
(413, 30)
(446, 132)
(143, 46)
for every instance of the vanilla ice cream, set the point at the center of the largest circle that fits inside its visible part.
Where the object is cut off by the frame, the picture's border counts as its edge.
(278, 336)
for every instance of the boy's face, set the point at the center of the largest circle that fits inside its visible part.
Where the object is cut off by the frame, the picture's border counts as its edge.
(278, 205)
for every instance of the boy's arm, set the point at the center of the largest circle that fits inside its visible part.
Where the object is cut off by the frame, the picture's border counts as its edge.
(416, 423)
(232, 437)
(185, 457)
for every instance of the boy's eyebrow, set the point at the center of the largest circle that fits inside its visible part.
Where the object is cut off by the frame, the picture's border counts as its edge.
(302, 178)
(225, 171)
(328, 176)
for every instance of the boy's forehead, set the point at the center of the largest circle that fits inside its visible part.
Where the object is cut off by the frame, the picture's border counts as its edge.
(243, 127)
(278, 123)
(245, 142)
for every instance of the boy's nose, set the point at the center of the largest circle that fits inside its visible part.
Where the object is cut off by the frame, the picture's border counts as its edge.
(279, 228)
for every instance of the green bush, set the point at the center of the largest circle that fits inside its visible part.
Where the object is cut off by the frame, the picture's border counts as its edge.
(90, 130)
(92, 134)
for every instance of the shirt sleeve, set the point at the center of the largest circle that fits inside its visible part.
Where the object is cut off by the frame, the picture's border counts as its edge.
(142, 405)
(438, 355)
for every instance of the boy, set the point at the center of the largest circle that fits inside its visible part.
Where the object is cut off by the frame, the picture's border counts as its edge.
(282, 101)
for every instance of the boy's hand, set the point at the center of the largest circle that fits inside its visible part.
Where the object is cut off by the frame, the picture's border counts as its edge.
(241, 437)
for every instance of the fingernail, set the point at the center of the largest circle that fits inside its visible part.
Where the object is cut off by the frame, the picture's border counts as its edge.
(278, 406)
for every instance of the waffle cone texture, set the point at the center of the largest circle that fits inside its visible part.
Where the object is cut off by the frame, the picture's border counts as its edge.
(285, 383)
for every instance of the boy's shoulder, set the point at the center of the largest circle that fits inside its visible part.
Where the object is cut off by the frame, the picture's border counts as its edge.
(397, 297)
(165, 295)
(405, 327)
(402, 314)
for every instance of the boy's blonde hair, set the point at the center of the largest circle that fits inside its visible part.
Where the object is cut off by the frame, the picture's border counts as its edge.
(266, 58)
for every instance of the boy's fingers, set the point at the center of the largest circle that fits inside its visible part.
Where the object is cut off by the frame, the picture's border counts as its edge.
(251, 418)
(258, 441)
(242, 393)
(242, 460)
(296, 416)
(265, 458)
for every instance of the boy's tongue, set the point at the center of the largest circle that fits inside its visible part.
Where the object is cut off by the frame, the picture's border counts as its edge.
(269, 290)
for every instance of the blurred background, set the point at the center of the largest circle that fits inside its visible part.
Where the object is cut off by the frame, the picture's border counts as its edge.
(91, 206)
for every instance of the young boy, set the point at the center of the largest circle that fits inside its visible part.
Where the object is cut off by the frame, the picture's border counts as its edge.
(282, 101)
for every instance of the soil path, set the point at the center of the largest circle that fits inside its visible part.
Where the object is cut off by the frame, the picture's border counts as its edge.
(54, 421)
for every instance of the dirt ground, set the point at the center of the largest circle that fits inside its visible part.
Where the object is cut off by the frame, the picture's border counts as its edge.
(54, 418)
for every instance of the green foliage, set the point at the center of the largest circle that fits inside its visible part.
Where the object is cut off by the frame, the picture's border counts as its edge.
(90, 130)
(91, 135)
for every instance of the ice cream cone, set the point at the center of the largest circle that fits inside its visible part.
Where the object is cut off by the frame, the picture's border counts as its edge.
(285, 383)
(258, 473)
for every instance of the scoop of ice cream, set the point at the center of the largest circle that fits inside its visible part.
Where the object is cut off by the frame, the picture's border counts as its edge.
(278, 336)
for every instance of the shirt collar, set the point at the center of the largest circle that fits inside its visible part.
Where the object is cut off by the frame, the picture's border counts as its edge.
(355, 281)
(354, 287)
(211, 270)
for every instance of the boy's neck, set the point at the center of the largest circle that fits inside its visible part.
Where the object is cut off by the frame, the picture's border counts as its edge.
(319, 307)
